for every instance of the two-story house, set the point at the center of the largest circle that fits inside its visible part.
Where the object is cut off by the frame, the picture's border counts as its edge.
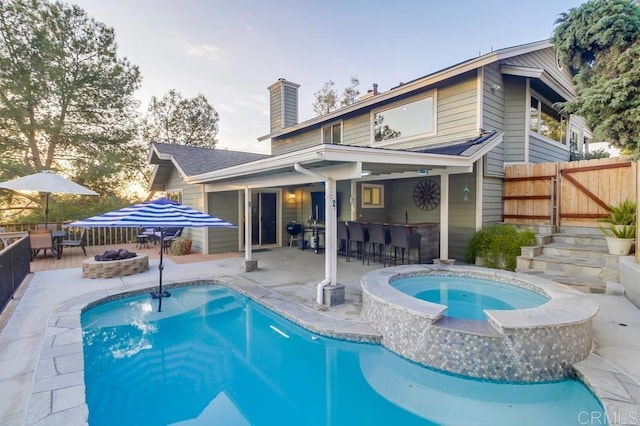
(429, 151)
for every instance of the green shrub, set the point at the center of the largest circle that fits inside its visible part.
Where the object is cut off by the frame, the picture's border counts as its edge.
(498, 246)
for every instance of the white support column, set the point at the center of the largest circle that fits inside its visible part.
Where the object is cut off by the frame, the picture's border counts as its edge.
(330, 233)
(444, 215)
(247, 223)
(249, 263)
(353, 200)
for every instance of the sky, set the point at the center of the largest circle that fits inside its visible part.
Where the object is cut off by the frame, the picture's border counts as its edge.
(232, 50)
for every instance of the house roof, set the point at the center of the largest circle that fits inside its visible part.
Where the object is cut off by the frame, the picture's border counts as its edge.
(461, 148)
(411, 86)
(192, 160)
(347, 162)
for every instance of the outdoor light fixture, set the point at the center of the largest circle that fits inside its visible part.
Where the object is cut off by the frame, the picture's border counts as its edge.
(365, 173)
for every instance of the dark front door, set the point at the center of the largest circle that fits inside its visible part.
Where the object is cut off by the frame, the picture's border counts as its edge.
(269, 219)
(264, 218)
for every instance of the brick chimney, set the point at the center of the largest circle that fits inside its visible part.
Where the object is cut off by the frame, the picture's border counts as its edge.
(283, 104)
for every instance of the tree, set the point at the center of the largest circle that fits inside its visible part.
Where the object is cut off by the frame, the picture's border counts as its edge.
(65, 96)
(327, 99)
(600, 43)
(185, 121)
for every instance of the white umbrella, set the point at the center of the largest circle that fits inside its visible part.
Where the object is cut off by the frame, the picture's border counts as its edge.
(48, 182)
(161, 213)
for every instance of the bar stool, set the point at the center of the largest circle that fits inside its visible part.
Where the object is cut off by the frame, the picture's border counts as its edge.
(402, 240)
(357, 235)
(378, 239)
(343, 239)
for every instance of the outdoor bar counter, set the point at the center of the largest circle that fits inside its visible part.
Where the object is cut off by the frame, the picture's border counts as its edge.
(429, 241)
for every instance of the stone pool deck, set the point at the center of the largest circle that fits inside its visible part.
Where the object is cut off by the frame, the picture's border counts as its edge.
(41, 364)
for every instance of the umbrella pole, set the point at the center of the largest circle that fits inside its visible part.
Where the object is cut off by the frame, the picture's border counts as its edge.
(160, 293)
(46, 212)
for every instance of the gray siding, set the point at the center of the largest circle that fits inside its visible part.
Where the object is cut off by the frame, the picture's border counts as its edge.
(192, 197)
(493, 111)
(275, 102)
(545, 59)
(290, 106)
(492, 206)
(357, 130)
(295, 143)
(462, 214)
(225, 206)
(541, 151)
(492, 100)
(515, 118)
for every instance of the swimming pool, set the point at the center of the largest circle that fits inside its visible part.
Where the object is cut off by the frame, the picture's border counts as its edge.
(215, 357)
(468, 297)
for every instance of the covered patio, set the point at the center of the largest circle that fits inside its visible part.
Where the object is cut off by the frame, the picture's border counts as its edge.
(330, 165)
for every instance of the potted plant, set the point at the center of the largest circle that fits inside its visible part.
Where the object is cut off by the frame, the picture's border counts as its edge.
(180, 246)
(622, 227)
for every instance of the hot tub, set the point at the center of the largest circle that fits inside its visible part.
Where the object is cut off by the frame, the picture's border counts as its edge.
(526, 344)
(468, 297)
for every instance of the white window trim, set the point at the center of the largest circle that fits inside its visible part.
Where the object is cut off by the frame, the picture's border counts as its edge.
(370, 205)
(430, 94)
(330, 125)
(541, 100)
(175, 191)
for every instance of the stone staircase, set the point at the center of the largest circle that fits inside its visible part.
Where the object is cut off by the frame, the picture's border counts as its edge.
(577, 257)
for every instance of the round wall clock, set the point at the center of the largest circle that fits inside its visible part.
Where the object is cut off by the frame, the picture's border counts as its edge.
(426, 194)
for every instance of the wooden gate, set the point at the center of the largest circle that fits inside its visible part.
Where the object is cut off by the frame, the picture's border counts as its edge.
(574, 193)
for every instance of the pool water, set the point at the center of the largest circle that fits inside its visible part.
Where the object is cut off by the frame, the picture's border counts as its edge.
(214, 357)
(467, 297)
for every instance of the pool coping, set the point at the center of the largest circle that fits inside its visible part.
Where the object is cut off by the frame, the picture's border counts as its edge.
(58, 391)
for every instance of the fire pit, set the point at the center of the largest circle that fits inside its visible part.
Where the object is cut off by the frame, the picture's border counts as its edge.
(115, 263)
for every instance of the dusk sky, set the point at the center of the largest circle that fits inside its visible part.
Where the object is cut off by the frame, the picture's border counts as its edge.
(232, 50)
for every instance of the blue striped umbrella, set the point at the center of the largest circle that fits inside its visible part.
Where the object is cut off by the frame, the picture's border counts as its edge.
(161, 213)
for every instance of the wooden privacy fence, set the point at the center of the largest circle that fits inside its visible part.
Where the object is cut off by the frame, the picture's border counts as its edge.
(574, 193)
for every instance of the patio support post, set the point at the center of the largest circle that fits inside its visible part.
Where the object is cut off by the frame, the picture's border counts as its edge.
(330, 255)
(249, 263)
(444, 216)
(330, 236)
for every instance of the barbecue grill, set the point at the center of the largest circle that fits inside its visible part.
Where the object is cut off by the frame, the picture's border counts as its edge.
(293, 229)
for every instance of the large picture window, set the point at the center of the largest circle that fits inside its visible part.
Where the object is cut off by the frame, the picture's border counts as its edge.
(546, 121)
(408, 120)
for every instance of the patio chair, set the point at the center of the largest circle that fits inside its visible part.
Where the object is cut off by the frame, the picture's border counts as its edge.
(76, 241)
(150, 233)
(41, 240)
(170, 234)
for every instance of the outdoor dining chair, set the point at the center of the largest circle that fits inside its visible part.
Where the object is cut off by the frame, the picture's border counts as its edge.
(75, 241)
(42, 240)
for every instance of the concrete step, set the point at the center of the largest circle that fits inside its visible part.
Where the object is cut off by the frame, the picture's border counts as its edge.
(572, 250)
(602, 268)
(583, 283)
(582, 240)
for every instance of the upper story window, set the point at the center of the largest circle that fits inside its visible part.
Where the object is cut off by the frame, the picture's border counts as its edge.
(409, 120)
(546, 121)
(332, 133)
